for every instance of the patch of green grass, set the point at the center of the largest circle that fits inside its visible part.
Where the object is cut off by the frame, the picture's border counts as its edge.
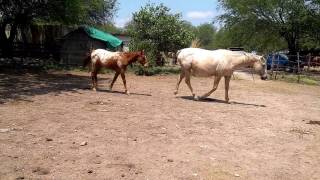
(304, 79)
(150, 71)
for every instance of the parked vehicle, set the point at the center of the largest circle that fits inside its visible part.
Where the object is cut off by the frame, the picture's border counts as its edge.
(283, 62)
(280, 61)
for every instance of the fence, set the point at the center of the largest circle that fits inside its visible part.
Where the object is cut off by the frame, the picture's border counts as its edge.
(300, 66)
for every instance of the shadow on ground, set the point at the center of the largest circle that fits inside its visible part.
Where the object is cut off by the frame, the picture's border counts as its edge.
(19, 85)
(122, 92)
(314, 122)
(212, 100)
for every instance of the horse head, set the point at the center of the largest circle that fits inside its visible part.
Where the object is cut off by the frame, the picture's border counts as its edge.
(142, 59)
(259, 66)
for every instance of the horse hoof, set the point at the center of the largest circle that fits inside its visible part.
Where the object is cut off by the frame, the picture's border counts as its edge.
(196, 98)
(127, 93)
(94, 89)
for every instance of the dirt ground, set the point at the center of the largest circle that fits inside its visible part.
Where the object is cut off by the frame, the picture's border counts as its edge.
(53, 127)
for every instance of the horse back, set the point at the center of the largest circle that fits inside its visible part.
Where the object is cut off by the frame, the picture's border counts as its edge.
(206, 63)
(105, 58)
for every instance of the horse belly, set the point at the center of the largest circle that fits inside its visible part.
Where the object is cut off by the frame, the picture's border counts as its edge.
(202, 72)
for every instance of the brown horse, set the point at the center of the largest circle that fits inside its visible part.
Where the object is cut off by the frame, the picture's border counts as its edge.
(117, 61)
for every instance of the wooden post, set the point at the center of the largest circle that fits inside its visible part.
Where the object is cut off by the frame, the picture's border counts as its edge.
(298, 67)
(272, 61)
(277, 67)
(309, 59)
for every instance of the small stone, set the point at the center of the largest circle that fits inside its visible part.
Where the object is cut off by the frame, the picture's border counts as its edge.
(170, 160)
(20, 177)
(236, 175)
(122, 175)
(16, 129)
(4, 130)
(40, 171)
(49, 139)
(97, 162)
(90, 171)
(84, 143)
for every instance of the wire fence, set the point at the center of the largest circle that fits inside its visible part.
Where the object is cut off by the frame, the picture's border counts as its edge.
(297, 67)
(280, 66)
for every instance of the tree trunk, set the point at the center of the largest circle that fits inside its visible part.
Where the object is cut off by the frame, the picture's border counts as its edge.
(6, 43)
(159, 60)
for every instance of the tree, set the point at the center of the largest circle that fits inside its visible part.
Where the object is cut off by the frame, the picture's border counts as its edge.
(111, 28)
(206, 33)
(265, 21)
(157, 30)
(21, 14)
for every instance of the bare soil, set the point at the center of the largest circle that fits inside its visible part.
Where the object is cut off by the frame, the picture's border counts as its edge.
(52, 126)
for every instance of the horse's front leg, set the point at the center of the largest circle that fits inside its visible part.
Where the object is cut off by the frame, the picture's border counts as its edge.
(124, 83)
(226, 86)
(114, 80)
(215, 86)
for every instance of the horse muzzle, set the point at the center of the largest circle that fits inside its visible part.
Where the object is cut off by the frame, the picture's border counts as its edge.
(265, 77)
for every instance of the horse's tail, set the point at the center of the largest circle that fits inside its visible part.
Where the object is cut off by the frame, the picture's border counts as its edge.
(86, 61)
(176, 57)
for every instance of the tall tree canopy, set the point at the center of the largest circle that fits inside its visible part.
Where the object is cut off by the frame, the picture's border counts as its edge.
(206, 34)
(264, 21)
(155, 29)
(21, 13)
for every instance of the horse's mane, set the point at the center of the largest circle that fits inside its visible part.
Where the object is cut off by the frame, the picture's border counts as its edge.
(130, 54)
(248, 55)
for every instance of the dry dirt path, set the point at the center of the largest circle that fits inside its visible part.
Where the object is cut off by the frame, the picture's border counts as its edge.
(271, 130)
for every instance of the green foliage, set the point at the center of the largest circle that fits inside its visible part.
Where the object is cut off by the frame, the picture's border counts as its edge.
(138, 70)
(63, 11)
(273, 24)
(206, 34)
(155, 29)
(20, 14)
(80, 11)
(110, 28)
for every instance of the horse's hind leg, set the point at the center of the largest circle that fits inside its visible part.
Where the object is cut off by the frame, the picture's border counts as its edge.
(114, 80)
(226, 86)
(215, 86)
(187, 80)
(94, 80)
(181, 76)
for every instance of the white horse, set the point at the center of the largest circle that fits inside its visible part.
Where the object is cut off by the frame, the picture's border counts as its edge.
(218, 63)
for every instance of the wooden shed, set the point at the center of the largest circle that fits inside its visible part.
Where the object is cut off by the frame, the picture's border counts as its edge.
(76, 44)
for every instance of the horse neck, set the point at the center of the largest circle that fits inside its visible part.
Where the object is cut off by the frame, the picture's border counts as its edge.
(130, 57)
(244, 61)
